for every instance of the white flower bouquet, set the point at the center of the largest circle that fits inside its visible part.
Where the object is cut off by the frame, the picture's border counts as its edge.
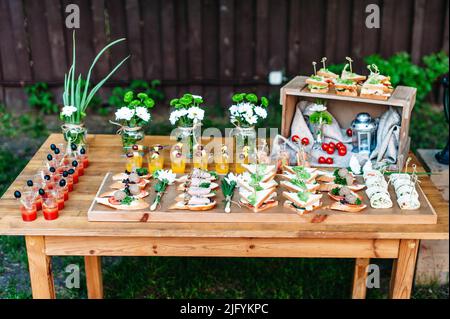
(133, 116)
(248, 109)
(164, 178)
(187, 116)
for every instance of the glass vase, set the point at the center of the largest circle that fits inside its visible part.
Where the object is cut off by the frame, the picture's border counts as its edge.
(75, 134)
(318, 135)
(190, 137)
(245, 146)
(131, 136)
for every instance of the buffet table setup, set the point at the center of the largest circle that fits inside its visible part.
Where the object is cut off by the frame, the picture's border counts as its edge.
(338, 182)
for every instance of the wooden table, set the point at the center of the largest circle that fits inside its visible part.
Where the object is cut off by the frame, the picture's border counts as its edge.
(73, 235)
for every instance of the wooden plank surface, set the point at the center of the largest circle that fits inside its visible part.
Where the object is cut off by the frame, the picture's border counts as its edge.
(359, 289)
(40, 266)
(221, 247)
(104, 155)
(94, 279)
(403, 269)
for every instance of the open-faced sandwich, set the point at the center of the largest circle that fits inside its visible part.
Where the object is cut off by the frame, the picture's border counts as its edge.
(132, 190)
(342, 177)
(122, 201)
(302, 202)
(132, 178)
(325, 72)
(346, 200)
(258, 201)
(317, 84)
(345, 87)
(195, 203)
(141, 172)
(198, 174)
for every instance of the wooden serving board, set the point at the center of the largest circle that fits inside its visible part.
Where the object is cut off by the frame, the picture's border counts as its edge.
(394, 215)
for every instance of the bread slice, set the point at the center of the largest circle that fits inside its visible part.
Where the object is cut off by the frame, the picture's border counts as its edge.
(212, 186)
(347, 208)
(301, 211)
(183, 196)
(327, 74)
(327, 187)
(142, 194)
(263, 207)
(265, 185)
(294, 188)
(120, 185)
(313, 200)
(138, 204)
(291, 169)
(269, 172)
(289, 176)
(261, 196)
(182, 206)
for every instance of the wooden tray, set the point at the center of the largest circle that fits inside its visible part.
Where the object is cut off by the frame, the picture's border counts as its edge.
(99, 213)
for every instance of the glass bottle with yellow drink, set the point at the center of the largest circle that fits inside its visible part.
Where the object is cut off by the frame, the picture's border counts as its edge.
(134, 157)
(155, 159)
(222, 161)
(243, 158)
(177, 159)
(200, 158)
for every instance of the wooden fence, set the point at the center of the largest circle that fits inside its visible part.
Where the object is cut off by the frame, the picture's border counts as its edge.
(210, 47)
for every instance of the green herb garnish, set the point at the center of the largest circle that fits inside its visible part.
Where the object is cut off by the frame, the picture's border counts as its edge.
(339, 180)
(204, 185)
(335, 191)
(142, 171)
(252, 199)
(213, 174)
(303, 196)
(299, 183)
(301, 172)
(127, 200)
(358, 202)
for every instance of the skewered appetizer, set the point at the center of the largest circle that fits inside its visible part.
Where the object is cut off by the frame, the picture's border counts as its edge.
(345, 87)
(405, 189)
(317, 84)
(377, 189)
(349, 75)
(300, 179)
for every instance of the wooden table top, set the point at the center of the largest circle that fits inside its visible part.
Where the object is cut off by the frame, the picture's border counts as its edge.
(104, 151)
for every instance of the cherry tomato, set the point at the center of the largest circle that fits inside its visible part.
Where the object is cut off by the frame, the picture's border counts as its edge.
(295, 138)
(322, 160)
(331, 144)
(113, 201)
(330, 150)
(342, 151)
(305, 141)
(349, 132)
(330, 161)
(339, 145)
(325, 146)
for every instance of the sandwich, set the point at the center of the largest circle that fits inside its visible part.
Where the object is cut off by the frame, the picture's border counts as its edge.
(302, 202)
(267, 172)
(141, 172)
(132, 190)
(377, 86)
(195, 203)
(305, 174)
(348, 75)
(296, 185)
(342, 177)
(251, 181)
(317, 84)
(345, 87)
(258, 201)
(131, 179)
(122, 201)
(327, 74)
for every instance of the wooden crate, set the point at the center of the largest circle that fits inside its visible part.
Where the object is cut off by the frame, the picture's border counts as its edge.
(280, 214)
(345, 108)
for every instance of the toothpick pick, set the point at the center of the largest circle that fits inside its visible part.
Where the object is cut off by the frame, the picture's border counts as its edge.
(314, 66)
(324, 59)
(407, 163)
(349, 59)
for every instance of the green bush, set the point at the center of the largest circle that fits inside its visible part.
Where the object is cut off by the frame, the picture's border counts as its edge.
(40, 97)
(13, 126)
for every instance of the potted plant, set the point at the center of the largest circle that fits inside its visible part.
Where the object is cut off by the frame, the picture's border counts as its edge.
(187, 116)
(244, 115)
(133, 117)
(76, 99)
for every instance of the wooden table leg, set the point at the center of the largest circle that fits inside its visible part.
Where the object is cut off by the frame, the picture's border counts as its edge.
(359, 278)
(94, 281)
(41, 276)
(403, 270)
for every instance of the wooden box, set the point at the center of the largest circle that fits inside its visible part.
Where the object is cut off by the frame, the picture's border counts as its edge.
(345, 108)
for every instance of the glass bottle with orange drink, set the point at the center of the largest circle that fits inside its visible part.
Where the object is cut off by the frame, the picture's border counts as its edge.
(242, 158)
(200, 158)
(155, 159)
